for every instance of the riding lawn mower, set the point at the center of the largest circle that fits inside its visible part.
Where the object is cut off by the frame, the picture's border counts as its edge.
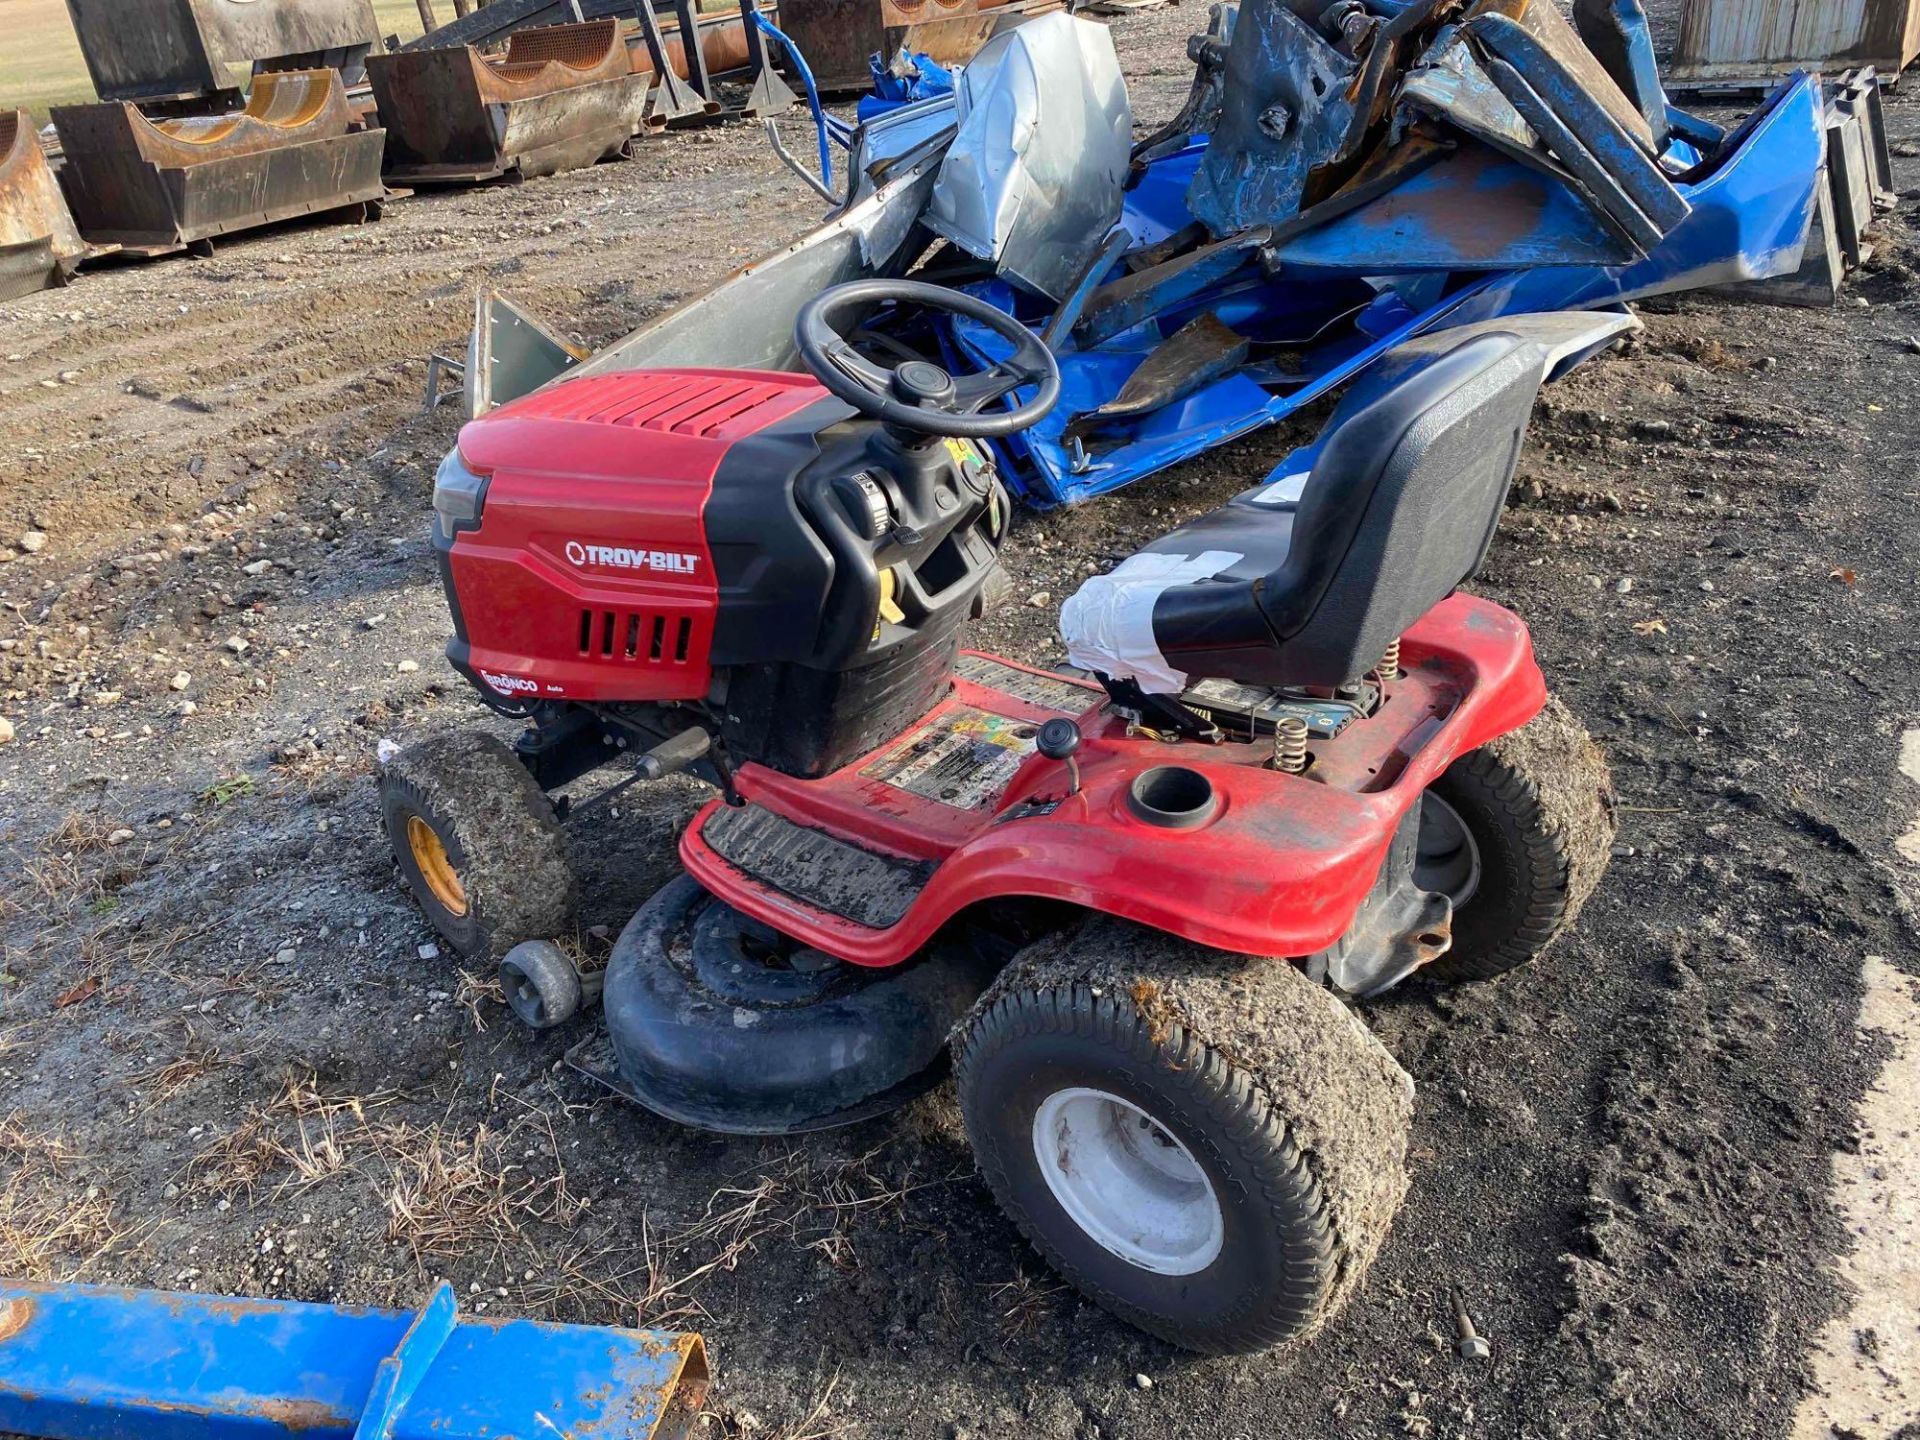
(1128, 906)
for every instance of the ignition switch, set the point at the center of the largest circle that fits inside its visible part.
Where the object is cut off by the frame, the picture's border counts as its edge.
(870, 505)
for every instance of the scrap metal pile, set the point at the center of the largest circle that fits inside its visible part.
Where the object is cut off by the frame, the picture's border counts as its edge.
(1343, 178)
(175, 152)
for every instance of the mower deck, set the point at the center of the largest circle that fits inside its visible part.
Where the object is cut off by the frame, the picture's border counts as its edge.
(867, 863)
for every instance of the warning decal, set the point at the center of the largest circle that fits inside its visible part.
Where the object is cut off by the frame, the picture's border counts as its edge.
(963, 759)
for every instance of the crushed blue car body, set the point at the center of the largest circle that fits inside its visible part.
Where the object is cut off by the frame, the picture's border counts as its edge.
(905, 78)
(1346, 293)
(86, 1362)
(1515, 174)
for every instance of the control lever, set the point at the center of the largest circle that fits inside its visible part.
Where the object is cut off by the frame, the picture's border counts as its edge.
(674, 754)
(1060, 740)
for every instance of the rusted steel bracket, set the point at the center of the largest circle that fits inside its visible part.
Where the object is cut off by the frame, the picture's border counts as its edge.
(563, 96)
(767, 93)
(160, 185)
(672, 98)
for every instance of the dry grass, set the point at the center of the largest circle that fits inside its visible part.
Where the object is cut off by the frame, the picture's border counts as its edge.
(118, 948)
(817, 1423)
(78, 833)
(233, 1163)
(21, 1144)
(472, 991)
(322, 1143)
(57, 879)
(737, 1219)
(307, 1134)
(608, 1277)
(787, 1201)
(76, 867)
(196, 1061)
(59, 875)
(447, 1194)
(40, 63)
(51, 1227)
(1025, 1304)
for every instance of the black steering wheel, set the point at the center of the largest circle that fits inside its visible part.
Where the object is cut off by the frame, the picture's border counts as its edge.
(918, 395)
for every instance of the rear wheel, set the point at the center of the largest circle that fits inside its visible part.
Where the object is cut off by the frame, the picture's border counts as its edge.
(1516, 833)
(477, 843)
(1188, 1193)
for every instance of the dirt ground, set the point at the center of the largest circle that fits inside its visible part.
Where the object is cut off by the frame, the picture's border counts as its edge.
(232, 1059)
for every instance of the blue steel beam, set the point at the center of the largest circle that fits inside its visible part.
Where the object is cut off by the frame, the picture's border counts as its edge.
(84, 1362)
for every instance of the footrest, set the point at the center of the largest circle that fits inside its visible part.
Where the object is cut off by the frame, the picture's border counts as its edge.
(820, 869)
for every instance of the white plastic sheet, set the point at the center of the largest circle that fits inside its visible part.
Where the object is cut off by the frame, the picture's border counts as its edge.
(1108, 622)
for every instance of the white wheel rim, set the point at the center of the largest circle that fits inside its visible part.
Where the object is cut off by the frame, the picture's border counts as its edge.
(1127, 1182)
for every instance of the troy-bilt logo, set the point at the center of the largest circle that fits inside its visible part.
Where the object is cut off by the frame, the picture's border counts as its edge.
(619, 557)
(510, 684)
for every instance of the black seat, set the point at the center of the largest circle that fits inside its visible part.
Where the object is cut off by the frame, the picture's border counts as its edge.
(1306, 580)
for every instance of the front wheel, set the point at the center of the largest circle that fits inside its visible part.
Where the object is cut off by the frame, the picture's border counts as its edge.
(478, 843)
(1517, 834)
(1213, 1202)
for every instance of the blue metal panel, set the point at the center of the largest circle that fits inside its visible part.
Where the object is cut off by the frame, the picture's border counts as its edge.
(1156, 205)
(1046, 470)
(88, 1362)
(1750, 219)
(1472, 210)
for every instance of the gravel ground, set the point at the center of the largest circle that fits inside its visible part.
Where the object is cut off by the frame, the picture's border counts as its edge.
(231, 1057)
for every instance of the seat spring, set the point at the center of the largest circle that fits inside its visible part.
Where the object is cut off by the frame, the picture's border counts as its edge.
(1290, 744)
(1389, 667)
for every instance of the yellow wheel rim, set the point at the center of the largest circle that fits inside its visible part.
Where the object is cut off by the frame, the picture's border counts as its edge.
(430, 858)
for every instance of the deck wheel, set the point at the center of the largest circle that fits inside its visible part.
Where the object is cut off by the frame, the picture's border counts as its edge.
(541, 984)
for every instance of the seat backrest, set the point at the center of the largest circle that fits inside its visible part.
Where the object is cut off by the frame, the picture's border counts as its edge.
(1402, 503)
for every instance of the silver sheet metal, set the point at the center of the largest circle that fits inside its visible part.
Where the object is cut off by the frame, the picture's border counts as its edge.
(882, 142)
(510, 354)
(1033, 178)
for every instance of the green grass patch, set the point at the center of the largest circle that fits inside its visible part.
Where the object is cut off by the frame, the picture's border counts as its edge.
(41, 65)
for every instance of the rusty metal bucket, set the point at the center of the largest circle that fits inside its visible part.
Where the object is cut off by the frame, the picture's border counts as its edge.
(39, 243)
(148, 50)
(837, 36)
(563, 96)
(156, 185)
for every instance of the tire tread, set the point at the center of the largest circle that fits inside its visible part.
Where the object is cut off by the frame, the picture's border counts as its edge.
(1245, 1119)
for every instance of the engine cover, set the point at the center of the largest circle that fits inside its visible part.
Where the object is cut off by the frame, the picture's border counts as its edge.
(588, 575)
(739, 538)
